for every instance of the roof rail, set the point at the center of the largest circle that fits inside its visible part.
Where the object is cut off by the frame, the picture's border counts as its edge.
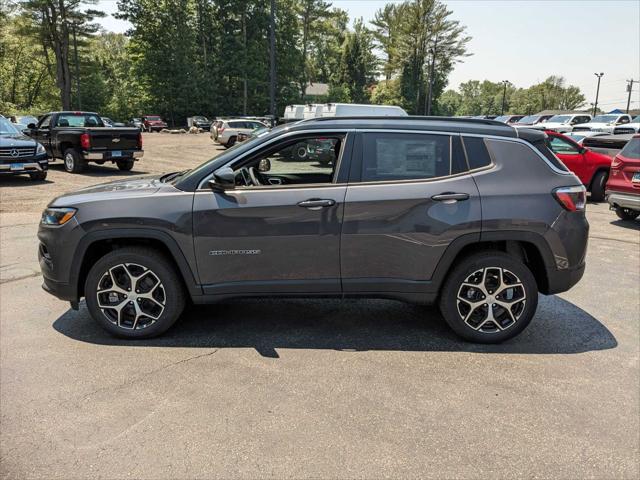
(477, 121)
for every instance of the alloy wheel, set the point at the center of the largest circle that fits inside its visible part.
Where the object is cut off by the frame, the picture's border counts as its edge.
(491, 299)
(131, 296)
(68, 161)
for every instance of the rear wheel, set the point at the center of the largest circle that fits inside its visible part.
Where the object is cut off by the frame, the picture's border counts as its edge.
(73, 162)
(627, 213)
(134, 292)
(125, 165)
(489, 297)
(231, 142)
(598, 186)
(38, 176)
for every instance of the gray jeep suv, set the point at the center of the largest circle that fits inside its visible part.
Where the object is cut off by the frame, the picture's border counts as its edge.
(472, 214)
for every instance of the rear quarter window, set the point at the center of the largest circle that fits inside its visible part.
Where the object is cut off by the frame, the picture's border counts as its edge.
(503, 151)
(477, 153)
(632, 149)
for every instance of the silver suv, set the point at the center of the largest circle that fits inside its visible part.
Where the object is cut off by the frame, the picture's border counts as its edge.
(473, 215)
(225, 132)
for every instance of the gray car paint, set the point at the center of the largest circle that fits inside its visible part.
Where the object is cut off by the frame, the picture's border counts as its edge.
(377, 239)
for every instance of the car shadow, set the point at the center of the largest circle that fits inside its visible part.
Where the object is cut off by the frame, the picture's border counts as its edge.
(20, 181)
(95, 170)
(267, 325)
(632, 224)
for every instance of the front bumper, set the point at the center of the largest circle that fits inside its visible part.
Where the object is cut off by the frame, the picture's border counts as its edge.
(624, 200)
(126, 155)
(25, 165)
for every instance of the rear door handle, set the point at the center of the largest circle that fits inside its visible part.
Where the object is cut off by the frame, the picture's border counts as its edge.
(450, 197)
(317, 203)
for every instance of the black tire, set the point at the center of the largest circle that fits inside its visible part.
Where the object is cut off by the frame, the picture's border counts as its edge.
(125, 165)
(231, 142)
(626, 213)
(300, 152)
(136, 260)
(522, 310)
(38, 176)
(73, 162)
(598, 185)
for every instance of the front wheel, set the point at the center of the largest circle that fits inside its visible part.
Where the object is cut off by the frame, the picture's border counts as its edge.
(231, 142)
(598, 186)
(38, 176)
(626, 213)
(125, 165)
(489, 297)
(134, 292)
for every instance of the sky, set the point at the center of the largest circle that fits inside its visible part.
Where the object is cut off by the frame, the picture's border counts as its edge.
(526, 41)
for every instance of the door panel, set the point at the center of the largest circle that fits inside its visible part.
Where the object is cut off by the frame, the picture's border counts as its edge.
(261, 237)
(394, 234)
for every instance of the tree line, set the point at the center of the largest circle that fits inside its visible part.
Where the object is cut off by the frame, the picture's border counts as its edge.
(211, 57)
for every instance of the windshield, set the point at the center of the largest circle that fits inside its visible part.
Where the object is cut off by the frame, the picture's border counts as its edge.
(6, 128)
(604, 119)
(228, 154)
(529, 119)
(632, 149)
(26, 120)
(560, 118)
(636, 119)
(154, 119)
(200, 119)
(503, 118)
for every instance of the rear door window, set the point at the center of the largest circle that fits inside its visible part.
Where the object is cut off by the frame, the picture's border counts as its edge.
(405, 156)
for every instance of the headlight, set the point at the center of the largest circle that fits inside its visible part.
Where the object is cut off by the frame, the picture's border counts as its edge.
(40, 150)
(57, 216)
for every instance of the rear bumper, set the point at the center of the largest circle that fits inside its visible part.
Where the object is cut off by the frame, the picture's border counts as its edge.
(624, 200)
(126, 154)
(562, 280)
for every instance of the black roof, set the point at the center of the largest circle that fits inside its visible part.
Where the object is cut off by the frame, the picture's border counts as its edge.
(448, 124)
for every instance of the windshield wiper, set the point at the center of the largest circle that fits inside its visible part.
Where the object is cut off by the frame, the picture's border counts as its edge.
(172, 176)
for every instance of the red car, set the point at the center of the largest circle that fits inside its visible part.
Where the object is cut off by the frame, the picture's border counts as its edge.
(153, 123)
(623, 187)
(590, 167)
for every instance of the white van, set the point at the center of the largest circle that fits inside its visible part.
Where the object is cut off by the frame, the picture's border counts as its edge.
(293, 113)
(312, 110)
(361, 110)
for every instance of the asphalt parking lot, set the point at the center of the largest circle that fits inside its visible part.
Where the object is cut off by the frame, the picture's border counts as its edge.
(314, 388)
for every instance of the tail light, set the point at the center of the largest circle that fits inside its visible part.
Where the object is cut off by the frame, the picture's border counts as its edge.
(85, 141)
(617, 162)
(571, 198)
(140, 140)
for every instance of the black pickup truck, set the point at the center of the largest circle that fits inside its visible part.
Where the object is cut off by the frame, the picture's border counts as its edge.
(81, 137)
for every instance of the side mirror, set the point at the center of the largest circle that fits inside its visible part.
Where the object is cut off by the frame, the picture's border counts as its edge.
(223, 179)
(264, 165)
(31, 126)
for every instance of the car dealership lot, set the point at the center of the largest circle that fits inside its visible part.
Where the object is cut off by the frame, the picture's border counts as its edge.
(313, 388)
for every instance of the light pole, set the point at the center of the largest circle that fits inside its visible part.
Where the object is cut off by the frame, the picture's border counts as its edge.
(272, 61)
(504, 95)
(595, 106)
(629, 89)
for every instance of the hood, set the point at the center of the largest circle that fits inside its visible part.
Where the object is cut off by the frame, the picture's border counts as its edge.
(129, 188)
(17, 140)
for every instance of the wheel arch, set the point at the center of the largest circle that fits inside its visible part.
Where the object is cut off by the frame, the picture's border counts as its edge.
(530, 248)
(596, 172)
(95, 245)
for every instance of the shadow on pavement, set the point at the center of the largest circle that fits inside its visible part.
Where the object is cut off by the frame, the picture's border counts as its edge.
(349, 325)
(631, 224)
(94, 170)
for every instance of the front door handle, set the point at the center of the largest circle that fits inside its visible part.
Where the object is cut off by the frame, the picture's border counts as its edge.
(317, 203)
(450, 197)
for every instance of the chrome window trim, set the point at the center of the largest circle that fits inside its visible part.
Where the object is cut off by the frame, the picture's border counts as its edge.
(239, 159)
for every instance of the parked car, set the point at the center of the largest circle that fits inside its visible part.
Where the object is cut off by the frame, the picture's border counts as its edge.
(531, 120)
(21, 155)
(470, 214)
(604, 123)
(592, 168)
(579, 137)
(609, 145)
(136, 122)
(631, 127)
(227, 132)
(623, 187)
(510, 119)
(81, 137)
(484, 117)
(153, 123)
(23, 121)
(242, 136)
(564, 123)
(110, 123)
(199, 121)
(361, 110)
